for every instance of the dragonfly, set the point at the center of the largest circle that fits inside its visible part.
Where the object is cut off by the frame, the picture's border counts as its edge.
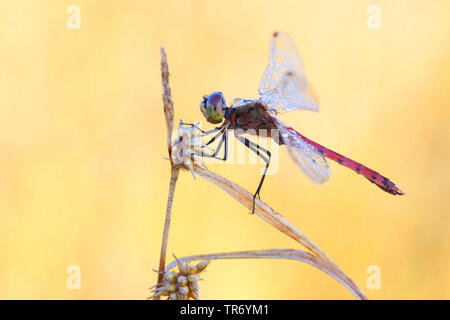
(283, 88)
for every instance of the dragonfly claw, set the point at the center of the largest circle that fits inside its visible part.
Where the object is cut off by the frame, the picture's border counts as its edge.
(254, 201)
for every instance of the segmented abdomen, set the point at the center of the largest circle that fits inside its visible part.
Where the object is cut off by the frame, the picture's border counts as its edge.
(373, 176)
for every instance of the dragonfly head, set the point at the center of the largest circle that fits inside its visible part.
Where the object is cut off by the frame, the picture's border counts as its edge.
(213, 107)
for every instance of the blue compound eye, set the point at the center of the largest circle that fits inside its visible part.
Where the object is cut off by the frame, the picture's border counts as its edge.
(213, 107)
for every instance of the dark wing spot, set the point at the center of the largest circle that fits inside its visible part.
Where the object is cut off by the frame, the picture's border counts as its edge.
(374, 177)
(275, 34)
(358, 169)
(340, 161)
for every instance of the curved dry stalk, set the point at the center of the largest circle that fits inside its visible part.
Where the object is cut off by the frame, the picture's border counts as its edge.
(266, 213)
(290, 254)
(262, 210)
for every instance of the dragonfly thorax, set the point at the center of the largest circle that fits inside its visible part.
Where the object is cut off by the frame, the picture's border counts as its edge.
(213, 107)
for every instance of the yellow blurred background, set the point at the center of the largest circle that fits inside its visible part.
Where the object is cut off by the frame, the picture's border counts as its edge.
(82, 141)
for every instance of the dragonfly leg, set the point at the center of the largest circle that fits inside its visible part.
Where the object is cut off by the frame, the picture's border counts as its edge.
(206, 133)
(222, 132)
(196, 127)
(256, 149)
(219, 146)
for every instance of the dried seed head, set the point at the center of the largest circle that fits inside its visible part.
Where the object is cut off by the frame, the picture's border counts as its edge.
(173, 296)
(192, 278)
(183, 291)
(193, 294)
(182, 281)
(202, 265)
(182, 266)
(170, 276)
(180, 285)
(171, 287)
(191, 269)
(188, 147)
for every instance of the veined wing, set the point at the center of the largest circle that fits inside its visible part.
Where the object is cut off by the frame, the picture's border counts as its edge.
(283, 86)
(307, 157)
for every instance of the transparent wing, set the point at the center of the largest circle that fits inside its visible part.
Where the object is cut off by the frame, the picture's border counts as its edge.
(307, 157)
(283, 86)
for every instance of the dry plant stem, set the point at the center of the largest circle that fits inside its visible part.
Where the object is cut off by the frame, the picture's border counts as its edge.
(167, 101)
(162, 258)
(289, 254)
(169, 114)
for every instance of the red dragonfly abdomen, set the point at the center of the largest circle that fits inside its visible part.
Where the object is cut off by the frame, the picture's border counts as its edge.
(373, 176)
